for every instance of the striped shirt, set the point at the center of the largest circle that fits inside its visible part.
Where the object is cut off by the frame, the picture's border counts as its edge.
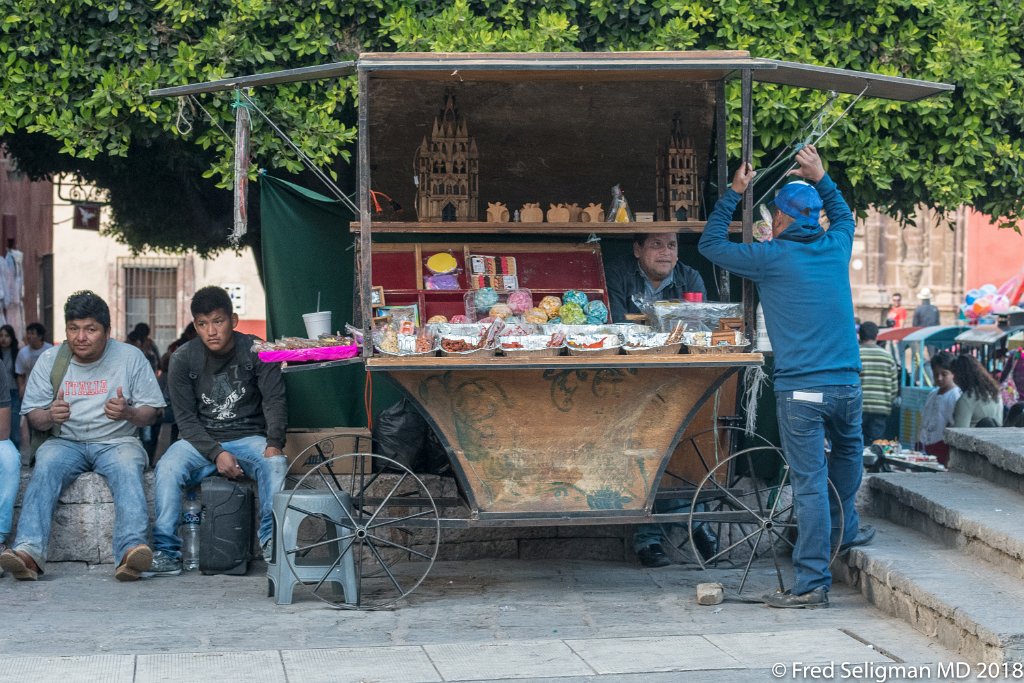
(878, 379)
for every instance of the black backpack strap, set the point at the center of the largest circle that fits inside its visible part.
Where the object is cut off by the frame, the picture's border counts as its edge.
(57, 372)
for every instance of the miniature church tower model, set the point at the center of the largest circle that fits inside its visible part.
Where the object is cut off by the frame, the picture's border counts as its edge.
(447, 166)
(678, 187)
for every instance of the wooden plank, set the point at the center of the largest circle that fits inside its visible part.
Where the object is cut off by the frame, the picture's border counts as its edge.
(482, 228)
(570, 441)
(490, 362)
(639, 56)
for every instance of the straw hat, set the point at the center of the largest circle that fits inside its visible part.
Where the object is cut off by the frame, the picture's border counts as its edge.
(925, 293)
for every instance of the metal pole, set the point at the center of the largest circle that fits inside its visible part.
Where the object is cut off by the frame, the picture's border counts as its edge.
(364, 256)
(747, 84)
(721, 153)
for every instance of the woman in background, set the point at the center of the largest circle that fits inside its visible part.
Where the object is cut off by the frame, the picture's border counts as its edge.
(8, 353)
(980, 400)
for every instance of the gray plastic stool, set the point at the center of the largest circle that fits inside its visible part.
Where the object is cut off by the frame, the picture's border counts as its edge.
(282, 578)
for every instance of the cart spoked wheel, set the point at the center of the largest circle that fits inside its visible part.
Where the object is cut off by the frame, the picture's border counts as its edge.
(736, 518)
(382, 524)
(707, 447)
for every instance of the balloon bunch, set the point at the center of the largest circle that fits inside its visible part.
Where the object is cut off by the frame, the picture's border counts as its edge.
(984, 302)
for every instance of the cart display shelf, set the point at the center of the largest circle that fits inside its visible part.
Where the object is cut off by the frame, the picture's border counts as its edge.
(486, 362)
(582, 229)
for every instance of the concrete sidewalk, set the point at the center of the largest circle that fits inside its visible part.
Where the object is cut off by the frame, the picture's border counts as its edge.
(481, 620)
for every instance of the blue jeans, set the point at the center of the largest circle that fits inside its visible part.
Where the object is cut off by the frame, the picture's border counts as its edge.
(805, 418)
(647, 535)
(58, 463)
(182, 467)
(874, 427)
(10, 477)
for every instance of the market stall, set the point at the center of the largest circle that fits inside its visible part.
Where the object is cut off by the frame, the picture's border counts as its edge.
(485, 302)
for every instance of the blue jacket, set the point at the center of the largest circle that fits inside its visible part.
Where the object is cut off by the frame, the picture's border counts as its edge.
(803, 278)
(624, 279)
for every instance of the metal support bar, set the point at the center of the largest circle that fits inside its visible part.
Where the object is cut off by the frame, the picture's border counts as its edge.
(746, 156)
(722, 155)
(365, 274)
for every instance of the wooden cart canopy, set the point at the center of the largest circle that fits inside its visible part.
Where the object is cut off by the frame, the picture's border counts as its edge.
(592, 66)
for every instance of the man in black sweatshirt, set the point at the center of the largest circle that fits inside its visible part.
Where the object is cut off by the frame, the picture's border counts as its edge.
(232, 415)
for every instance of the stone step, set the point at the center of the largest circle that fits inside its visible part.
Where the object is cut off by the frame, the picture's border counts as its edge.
(969, 607)
(996, 455)
(959, 511)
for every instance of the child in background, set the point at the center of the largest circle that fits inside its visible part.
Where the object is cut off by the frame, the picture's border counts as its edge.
(979, 403)
(937, 413)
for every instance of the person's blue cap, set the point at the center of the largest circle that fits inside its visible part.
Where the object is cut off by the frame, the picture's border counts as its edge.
(798, 200)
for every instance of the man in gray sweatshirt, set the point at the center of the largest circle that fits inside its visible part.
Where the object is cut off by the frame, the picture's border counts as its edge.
(232, 415)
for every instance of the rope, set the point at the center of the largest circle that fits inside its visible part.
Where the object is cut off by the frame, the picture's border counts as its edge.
(812, 138)
(182, 123)
(210, 117)
(306, 161)
(754, 379)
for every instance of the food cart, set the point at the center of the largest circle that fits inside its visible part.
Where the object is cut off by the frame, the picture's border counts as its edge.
(540, 439)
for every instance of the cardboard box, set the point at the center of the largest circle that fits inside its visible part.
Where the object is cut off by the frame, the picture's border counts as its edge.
(345, 440)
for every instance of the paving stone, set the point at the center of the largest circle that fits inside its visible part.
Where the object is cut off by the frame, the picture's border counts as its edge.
(572, 548)
(400, 664)
(763, 649)
(520, 659)
(254, 667)
(86, 669)
(655, 654)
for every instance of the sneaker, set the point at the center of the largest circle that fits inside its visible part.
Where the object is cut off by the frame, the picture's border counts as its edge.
(268, 551)
(653, 556)
(137, 560)
(20, 565)
(865, 534)
(809, 600)
(3, 549)
(163, 565)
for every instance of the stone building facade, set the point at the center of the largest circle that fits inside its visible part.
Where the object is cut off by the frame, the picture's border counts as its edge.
(930, 251)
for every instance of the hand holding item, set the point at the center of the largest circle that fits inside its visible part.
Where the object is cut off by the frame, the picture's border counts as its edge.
(117, 407)
(810, 164)
(741, 179)
(228, 466)
(60, 410)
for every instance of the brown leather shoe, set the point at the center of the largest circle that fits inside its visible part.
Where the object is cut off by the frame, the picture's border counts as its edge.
(20, 565)
(137, 560)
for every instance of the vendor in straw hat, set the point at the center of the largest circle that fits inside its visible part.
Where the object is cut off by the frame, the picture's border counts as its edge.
(925, 314)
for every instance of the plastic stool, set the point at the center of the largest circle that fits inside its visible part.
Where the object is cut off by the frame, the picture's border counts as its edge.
(280, 574)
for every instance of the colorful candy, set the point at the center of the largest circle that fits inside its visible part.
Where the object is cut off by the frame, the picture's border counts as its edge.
(537, 316)
(572, 314)
(485, 298)
(574, 296)
(500, 311)
(520, 301)
(596, 312)
(550, 304)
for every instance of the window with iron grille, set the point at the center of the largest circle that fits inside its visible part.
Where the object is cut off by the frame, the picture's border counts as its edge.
(150, 289)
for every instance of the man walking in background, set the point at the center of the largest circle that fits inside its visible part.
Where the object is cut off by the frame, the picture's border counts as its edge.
(878, 380)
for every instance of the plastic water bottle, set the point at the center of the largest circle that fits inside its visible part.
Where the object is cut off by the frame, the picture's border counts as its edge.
(191, 515)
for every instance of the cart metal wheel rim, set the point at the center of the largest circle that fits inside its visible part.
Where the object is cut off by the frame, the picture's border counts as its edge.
(763, 517)
(374, 498)
(674, 543)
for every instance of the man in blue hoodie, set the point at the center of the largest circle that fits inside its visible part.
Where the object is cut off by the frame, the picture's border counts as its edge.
(802, 276)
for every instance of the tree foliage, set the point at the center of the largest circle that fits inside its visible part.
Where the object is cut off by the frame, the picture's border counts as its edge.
(75, 74)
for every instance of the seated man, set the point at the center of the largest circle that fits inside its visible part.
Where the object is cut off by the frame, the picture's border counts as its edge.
(232, 416)
(107, 392)
(655, 273)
